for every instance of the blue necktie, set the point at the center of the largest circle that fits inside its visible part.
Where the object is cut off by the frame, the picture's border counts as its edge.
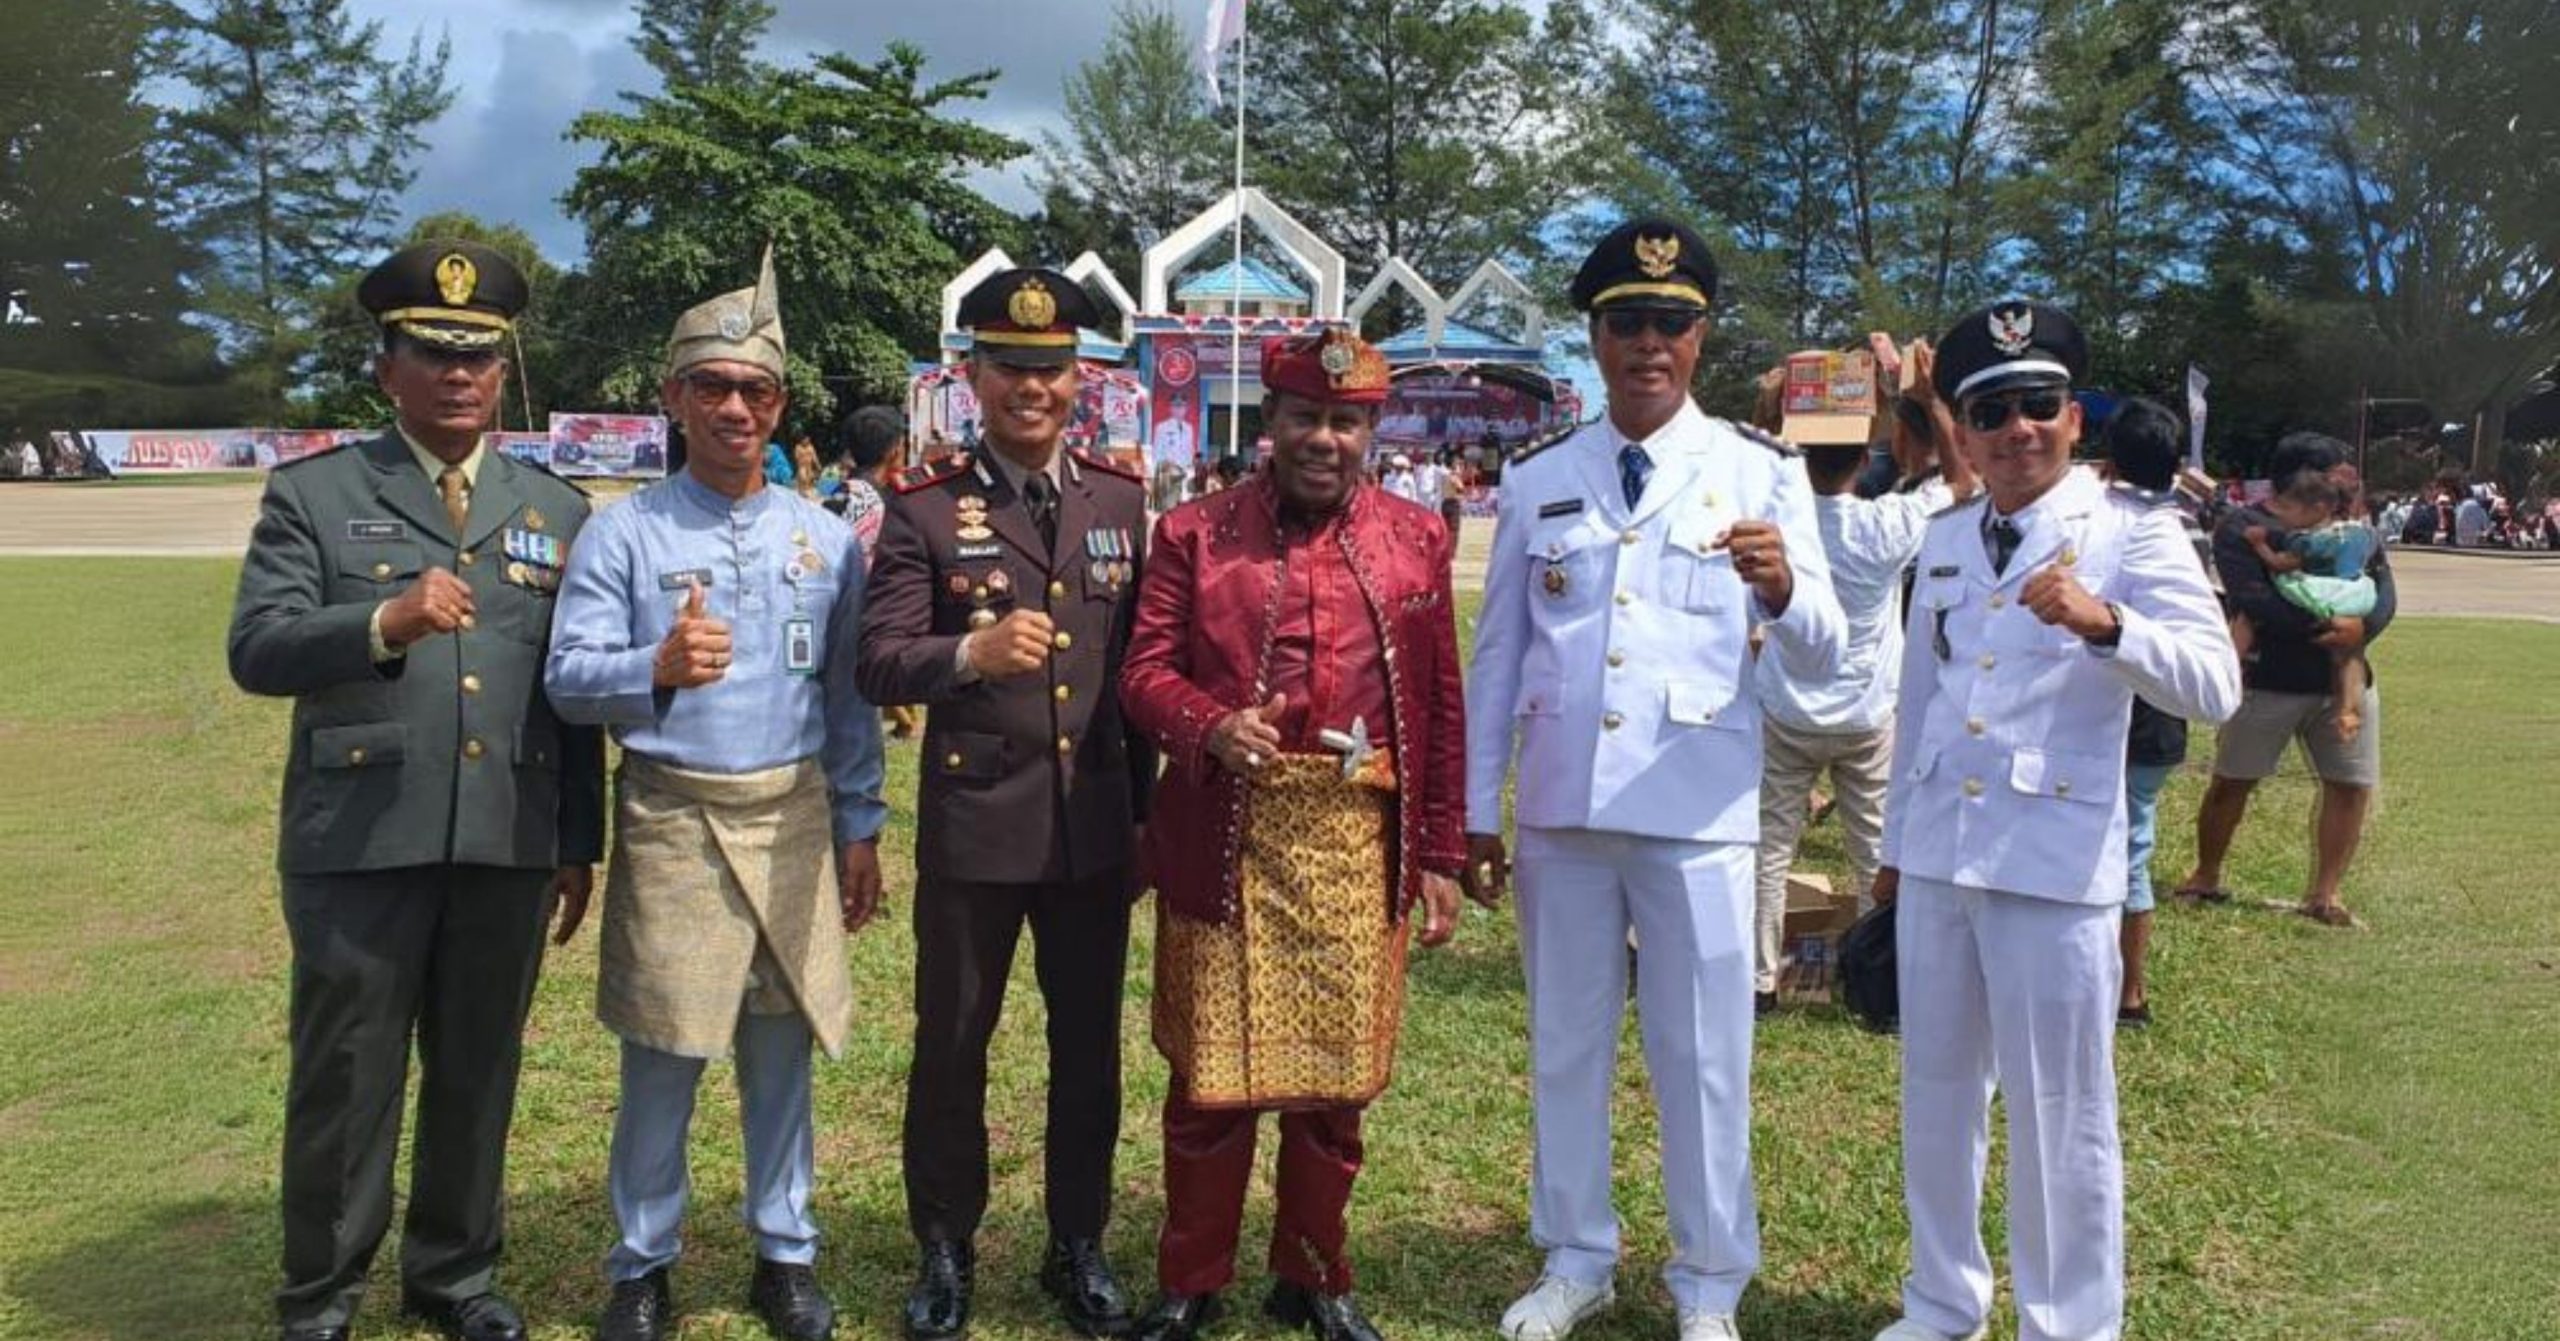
(2005, 539)
(1634, 468)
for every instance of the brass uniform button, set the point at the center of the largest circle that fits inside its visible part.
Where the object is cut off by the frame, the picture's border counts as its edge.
(1973, 786)
(464, 558)
(2062, 788)
(1988, 661)
(1066, 744)
(356, 755)
(1612, 721)
(381, 570)
(1064, 692)
(471, 684)
(1625, 599)
(473, 749)
(1999, 599)
(1973, 726)
(951, 760)
(1617, 659)
(470, 622)
(1057, 590)
(1629, 537)
(1063, 641)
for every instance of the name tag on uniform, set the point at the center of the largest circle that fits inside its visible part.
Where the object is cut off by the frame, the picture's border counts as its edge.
(1943, 570)
(1562, 507)
(981, 551)
(800, 645)
(377, 530)
(683, 578)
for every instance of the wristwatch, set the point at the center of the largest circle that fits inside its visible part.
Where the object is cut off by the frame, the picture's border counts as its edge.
(2114, 635)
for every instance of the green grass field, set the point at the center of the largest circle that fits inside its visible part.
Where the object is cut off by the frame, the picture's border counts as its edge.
(2329, 1134)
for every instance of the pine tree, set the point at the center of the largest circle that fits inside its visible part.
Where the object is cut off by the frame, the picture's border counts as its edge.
(697, 42)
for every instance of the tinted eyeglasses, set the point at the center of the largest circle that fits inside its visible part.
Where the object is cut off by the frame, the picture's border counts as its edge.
(710, 391)
(1627, 323)
(1990, 414)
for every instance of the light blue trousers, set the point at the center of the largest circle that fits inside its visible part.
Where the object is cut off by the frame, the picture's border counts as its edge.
(647, 1178)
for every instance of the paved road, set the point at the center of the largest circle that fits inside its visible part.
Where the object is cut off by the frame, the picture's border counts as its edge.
(212, 519)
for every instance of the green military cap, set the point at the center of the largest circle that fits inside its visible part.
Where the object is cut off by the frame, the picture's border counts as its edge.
(454, 295)
(740, 326)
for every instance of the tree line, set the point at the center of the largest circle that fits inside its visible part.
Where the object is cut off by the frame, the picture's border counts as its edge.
(2346, 211)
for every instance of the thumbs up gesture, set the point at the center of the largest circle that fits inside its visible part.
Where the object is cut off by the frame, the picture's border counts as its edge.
(1245, 741)
(696, 650)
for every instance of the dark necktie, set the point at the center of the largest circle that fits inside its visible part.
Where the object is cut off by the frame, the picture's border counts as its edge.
(1634, 468)
(2005, 538)
(1041, 497)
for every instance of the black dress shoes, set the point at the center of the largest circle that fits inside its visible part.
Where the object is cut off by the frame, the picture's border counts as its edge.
(640, 1309)
(1078, 1276)
(1179, 1317)
(1327, 1317)
(482, 1317)
(938, 1307)
(787, 1297)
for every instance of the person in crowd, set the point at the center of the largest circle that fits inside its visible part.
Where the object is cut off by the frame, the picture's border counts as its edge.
(2317, 562)
(1002, 598)
(1630, 562)
(1841, 723)
(872, 442)
(2470, 521)
(1314, 803)
(2290, 682)
(709, 621)
(437, 811)
(2043, 607)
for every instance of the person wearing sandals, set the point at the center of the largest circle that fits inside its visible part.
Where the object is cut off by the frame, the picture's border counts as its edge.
(2040, 611)
(2288, 681)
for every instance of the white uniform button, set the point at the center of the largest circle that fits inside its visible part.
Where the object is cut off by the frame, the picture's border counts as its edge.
(1988, 661)
(1973, 786)
(1612, 721)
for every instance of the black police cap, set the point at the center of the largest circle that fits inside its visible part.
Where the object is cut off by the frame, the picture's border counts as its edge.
(1027, 316)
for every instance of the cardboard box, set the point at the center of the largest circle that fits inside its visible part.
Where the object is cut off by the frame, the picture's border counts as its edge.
(1830, 399)
(1815, 918)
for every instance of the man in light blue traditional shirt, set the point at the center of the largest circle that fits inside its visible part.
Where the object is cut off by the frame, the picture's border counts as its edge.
(710, 622)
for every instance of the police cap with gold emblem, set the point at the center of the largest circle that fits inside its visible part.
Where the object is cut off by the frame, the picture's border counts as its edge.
(1647, 263)
(448, 294)
(1027, 317)
(2010, 344)
(1333, 364)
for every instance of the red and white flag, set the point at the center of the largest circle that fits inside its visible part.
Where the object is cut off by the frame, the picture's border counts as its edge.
(1225, 28)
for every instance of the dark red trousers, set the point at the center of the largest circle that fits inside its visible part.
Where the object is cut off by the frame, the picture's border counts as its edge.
(1208, 1162)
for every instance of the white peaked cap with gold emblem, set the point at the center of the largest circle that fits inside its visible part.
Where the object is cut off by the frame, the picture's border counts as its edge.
(741, 326)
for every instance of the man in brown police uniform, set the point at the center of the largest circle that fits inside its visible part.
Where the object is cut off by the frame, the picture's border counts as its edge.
(1001, 597)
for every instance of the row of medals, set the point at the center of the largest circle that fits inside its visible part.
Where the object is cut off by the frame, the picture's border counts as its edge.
(998, 584)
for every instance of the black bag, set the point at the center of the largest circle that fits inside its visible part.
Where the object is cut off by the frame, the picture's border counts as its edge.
(1868, 989)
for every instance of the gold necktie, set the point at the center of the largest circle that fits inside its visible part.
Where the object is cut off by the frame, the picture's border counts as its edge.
(457, 497)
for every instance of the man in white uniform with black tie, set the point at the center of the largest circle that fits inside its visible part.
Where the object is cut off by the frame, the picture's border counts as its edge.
(2040, 609)
(1629, 565)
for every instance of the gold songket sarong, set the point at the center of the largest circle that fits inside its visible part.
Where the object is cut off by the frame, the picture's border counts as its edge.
(1296, 1003)
(721, 897)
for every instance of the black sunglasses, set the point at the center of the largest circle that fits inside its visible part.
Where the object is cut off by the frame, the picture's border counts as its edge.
(1990, 414)
(1628, 323)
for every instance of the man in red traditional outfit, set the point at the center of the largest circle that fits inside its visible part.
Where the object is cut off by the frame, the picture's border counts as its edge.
(1295, 656)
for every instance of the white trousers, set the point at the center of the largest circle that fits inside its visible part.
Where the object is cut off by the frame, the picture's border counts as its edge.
(1861, 764)
(646, 1176)
(2022, 992)
(1690, 906)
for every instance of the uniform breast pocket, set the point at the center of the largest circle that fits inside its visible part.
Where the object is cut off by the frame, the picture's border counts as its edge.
(1696, 574)
(970, 759)
(2086, 779)
(1567, 566)
(375, 570)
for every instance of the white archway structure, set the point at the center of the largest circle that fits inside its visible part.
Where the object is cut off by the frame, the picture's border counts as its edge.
(1396, 274)
(1093, 272)
(1310, 253)
(1491, 275)
(988, 262)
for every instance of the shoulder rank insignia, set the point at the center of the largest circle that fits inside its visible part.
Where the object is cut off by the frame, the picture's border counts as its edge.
(2134, 495)
(932, 472)
(1539, 446)
(1762, 436)
(1097, 461)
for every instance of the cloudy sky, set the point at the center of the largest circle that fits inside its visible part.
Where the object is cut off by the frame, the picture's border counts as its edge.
(522, 69)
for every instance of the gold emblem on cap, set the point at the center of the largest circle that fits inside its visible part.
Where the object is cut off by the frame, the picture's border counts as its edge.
(1031, 307)
(456, 277)
(1656, 256)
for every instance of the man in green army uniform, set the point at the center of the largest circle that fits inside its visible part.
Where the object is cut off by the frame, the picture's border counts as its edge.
(435, 810)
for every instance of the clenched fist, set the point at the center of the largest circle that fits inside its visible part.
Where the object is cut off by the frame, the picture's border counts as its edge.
(438, 602)
(1015, 645)
(1246, 740)
(2056, 597)
(1760, 559)
(696, 650)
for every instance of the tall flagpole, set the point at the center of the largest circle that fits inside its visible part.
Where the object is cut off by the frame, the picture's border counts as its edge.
(1235, 268)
